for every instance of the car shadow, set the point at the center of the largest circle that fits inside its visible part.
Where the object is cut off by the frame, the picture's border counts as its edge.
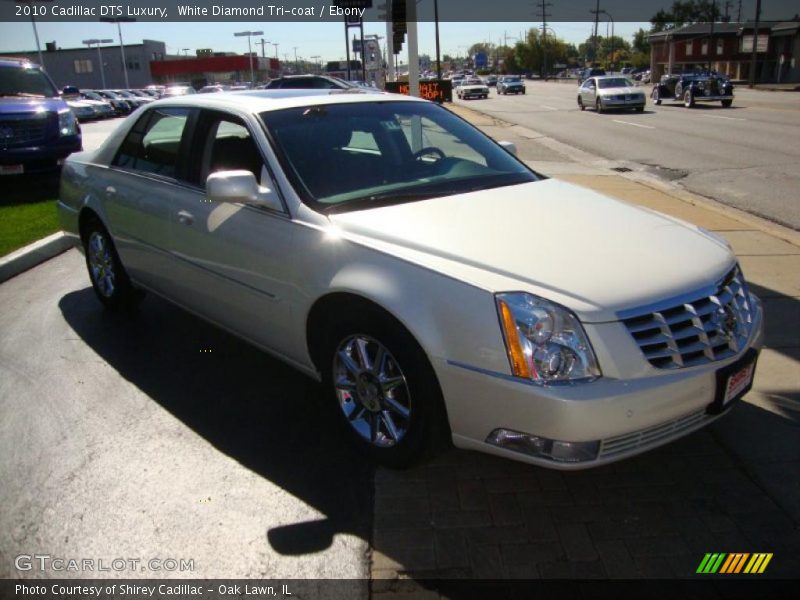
(701, 106)
(260, 412)
(28, 189)
(466, 514)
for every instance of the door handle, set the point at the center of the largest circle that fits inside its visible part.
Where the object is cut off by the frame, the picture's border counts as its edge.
(185, 218)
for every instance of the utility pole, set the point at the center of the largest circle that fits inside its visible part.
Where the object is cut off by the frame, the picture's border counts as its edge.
(739, 15)
(543, 5)
(753, 60)
(263, 43)
(728, 5)
(711, 47)
(596, 12)
(296, 64)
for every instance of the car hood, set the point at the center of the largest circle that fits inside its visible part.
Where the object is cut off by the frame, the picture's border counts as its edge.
(621, 90)
(26, 105)
(594, 254)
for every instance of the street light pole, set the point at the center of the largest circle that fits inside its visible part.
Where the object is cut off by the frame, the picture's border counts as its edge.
(89, 44)
(119, 20)
(249, 35)
(606, 13)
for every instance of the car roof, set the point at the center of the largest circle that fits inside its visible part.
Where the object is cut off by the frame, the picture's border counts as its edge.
(255, 101)
(13, 62)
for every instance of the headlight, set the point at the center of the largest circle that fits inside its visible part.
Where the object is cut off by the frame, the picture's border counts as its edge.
(545, 342)
(67, 123)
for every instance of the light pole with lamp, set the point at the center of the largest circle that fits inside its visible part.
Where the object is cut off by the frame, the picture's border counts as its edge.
(249, 35)
(89, 44)
(119, 20)
(316, 58)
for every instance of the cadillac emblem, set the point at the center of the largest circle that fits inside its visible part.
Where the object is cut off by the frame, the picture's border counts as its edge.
(724, 321)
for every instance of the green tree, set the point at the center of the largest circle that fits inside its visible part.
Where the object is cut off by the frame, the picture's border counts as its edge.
(640, 42)
(684, 12)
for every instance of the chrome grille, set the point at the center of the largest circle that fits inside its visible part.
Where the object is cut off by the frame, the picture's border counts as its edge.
(16, 132)
(651, 436)
(707, 328)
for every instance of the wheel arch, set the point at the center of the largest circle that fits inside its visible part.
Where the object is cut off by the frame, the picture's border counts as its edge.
(326, 307)
(86, 216)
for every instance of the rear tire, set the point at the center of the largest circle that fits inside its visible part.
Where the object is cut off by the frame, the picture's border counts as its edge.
(383, 388)
(109, 279)
(580, 104)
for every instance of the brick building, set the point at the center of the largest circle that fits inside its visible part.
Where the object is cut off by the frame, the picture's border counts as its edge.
(727, 48)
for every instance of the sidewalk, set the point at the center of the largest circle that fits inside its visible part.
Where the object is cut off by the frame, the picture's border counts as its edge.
(732, 487)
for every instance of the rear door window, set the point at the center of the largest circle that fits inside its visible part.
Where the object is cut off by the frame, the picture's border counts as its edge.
(154, 144)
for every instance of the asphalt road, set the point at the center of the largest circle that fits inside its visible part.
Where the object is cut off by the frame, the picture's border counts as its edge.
(747, 156)
(157, 436)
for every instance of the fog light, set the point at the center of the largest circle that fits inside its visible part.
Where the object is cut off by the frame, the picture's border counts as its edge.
(532, 445)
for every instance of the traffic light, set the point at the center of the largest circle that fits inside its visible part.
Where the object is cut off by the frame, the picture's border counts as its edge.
(399, 27)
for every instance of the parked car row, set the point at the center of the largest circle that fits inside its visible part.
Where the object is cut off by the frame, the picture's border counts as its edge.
(103, 104)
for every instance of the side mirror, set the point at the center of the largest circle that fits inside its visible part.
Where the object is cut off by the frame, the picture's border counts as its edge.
(510, 147)
(240, 186)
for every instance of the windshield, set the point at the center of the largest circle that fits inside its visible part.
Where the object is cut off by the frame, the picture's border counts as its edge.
(615, 82)
(26, 82)
(368, 154)
(513, 79)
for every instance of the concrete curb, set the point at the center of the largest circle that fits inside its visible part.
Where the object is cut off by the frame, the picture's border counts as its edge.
(33, 254)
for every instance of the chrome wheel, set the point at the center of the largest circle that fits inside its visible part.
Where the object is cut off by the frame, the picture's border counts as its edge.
(372, 390)
(101, 264)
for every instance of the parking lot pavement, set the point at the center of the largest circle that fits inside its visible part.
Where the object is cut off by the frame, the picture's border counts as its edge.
(158, 436)
(732, 487)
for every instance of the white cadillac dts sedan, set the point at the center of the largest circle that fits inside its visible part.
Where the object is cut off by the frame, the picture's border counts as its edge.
(435, 285)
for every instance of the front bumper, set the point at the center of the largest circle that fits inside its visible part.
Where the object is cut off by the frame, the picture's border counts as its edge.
(626, 416)
(617, 103)
(42, 157)
(700, 97)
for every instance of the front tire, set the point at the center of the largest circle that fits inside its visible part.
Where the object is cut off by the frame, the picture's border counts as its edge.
(656, 97)
(109, 279)
(726, 103)
(598, 106)
(383, 388)
(688, 99)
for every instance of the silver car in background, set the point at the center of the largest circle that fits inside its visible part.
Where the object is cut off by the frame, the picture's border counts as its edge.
(610, 92)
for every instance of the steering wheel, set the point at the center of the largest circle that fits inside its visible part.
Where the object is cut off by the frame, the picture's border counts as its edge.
(427, 150)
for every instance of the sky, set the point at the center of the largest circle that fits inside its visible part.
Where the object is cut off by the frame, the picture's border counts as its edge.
(325, 40)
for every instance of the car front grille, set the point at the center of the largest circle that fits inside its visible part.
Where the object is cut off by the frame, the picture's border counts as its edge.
(22, 131)
(652, 436)
(706, 328)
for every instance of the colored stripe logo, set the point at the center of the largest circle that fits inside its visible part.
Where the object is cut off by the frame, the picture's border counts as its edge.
(734, 563)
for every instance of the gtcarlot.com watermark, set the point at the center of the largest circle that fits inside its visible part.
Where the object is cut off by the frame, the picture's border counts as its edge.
(45, 562)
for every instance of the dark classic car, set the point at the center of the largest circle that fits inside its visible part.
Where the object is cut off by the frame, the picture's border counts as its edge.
(693, 87)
